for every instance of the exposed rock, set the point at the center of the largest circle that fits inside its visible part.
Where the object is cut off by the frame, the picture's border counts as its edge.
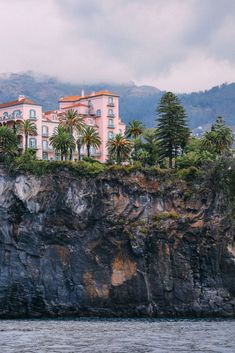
(113, 245)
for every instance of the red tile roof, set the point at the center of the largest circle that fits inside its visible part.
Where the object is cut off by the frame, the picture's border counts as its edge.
(69, 99)
(75, 105)
(77, 98)
(17, 102)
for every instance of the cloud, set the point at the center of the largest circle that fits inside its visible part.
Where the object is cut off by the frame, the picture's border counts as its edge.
(173, 44)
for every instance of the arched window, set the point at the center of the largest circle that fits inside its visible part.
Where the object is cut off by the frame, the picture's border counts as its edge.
(111, 124)
(5, 115)
(45, 156)
(32, 114)
(44, 145)
(110, 100)
(98, 112)
(110, 112)
(110, 135)
(32, 143)
(16, 113)
(44, 130)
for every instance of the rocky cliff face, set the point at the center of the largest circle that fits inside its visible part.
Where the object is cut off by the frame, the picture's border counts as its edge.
(113, 245)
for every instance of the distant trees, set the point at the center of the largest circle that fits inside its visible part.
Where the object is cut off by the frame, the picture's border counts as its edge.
(172, 129)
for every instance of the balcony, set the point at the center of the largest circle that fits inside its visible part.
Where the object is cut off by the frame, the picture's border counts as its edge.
(111, 115)
(47, 149)
(111, 126)
(110, 104)
(11, 117)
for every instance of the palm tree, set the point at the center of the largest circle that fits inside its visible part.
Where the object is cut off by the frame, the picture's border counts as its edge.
(90, 138)
(119, 148)
(134, 129)
(73, 122)
(220, 139)
(28, 129)
(8, 141)
(62, 141)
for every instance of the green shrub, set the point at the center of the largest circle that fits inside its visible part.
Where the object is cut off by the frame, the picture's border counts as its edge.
(164, 215)
(188, 174)
(40, 167)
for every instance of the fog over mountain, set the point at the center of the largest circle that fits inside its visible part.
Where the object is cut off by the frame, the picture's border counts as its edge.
(136, 102)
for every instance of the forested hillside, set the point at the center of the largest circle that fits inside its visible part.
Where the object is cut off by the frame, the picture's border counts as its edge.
(136, 102)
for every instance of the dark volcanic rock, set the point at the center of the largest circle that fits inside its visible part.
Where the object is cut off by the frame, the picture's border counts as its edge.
(113, 245)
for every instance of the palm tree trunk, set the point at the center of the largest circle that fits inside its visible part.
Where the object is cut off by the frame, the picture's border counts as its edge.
(26, 142)
(70, 154)
(88, 149)
(79, 149)
(170, 162)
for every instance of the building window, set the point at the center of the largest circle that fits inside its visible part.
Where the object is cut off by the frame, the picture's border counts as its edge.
(110, 100)
(110, 135)
(90, 122)
(57, 157)
(32, 114)
(45, 145)
(44, 131)
(111, 124)
(32, 143)
(45, 156)
(16, 113)
(5, 115)
(54, 117)
(98, 112)
(89, 103)
(110, 113)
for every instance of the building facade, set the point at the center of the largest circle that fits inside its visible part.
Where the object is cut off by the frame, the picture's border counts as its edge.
(99, 110)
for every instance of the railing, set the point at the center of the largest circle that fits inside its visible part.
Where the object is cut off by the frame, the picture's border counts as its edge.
(110, 104)
(33, 118)
(111, 126)
(47, 149)
(45, 134)
(111, 115)
(11, 117)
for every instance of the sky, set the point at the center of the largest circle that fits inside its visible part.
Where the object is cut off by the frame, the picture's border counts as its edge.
(178, 45)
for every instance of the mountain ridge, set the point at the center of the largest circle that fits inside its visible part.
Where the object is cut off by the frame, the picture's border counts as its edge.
(136, 102)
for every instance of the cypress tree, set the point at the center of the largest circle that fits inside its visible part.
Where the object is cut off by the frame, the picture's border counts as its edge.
(172, 129)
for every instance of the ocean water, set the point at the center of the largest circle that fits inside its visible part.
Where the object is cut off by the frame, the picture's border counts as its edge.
(117, 336)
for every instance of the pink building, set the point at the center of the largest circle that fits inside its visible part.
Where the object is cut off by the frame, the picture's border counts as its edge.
(99, 109)
(19, 110)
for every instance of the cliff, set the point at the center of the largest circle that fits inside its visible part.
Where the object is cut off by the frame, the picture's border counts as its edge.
(114, 245)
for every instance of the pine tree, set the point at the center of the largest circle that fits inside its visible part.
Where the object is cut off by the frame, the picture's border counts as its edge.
(172, 130)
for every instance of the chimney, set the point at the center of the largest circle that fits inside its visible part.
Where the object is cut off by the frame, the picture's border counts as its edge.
(82, 93)
(21, 97)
